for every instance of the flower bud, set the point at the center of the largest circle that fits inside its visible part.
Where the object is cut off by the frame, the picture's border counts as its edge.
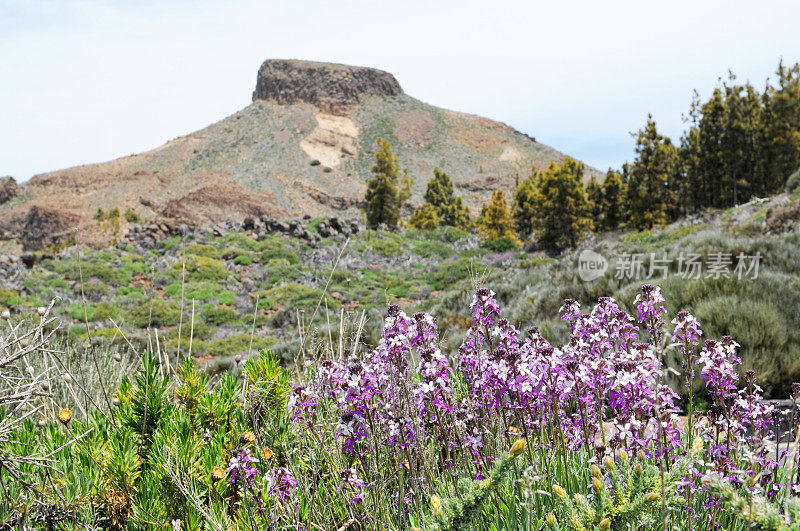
(551, 519)
(578, 498)
(42, 423)
(67, 377)
(605, 524)
(41, 310)
(653, 496)
(6, 314)
(598, 485)
(596, 472)
(697, 445)
(638, 468)
(624, 455)
(117, 356)
(560, 492)
(609, 463)
(641, 455)
(518, 447)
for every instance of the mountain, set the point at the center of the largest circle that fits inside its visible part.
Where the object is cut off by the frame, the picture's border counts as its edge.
(303, 147)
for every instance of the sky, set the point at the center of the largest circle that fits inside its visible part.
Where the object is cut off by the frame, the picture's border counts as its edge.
(88, 80)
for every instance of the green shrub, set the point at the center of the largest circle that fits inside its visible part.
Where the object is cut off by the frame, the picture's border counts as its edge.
(220, 315)
(153, 312)
(280, 270)
(7, 295)
(293, 295)
(243, 259)
(315, 162)
(279, 254)
(501, 245)
(327, 169)
(226, 297)
(382, 242)
(793, 182)
(100, 271)
(238, 344)
(209, 251)
(201, 268)
(132, 217)
(429, 249)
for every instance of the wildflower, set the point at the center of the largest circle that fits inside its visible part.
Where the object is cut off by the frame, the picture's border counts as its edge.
(609, 463)
(560, 492)
(598, 485)
(266, 454)
(653, 496)
(697, 445)
(551, 519)
(596, 472)
(623, 455)
(605, 523)
(247, 437)
(518, 447)
(281, 483)
(65, 415)
(436, 505)
(67, 377)
(217, 474)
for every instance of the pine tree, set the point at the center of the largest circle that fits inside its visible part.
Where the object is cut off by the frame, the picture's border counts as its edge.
(494, 221)
(383, 198)
(524, 210)
(647, 192)
(449, 207)
(781, 132)
(594, 195)
(560, 207)
(612, 201)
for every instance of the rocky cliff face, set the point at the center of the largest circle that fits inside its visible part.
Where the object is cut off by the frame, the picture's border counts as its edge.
(333, 88)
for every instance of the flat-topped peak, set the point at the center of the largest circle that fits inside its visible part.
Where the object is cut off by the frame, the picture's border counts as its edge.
(330, 86)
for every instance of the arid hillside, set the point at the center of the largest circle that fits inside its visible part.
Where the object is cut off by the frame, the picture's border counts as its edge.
(303, 147)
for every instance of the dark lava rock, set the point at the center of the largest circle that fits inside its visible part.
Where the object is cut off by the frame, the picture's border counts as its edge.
(331, 87)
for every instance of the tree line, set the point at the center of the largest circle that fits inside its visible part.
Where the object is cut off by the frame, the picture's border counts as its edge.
(740, 144)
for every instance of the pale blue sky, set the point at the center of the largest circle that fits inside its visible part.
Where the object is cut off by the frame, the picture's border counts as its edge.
(88, 80)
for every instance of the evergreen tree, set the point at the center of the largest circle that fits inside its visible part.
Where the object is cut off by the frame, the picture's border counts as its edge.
(383, 198)
(781, 131)
(494, 221)
(594, 195)
(524, 209)
(647, 193)
(449, 207)
(560, 207)
(612, 201)
(425, 217)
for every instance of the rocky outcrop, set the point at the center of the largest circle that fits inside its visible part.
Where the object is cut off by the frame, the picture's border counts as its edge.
(333, 88)
(41, 227)
(8, 189)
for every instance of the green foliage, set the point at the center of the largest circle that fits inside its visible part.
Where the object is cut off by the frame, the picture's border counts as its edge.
(7, 295)
(502, 245)
(315, 162)
(793, 182)
(557, 200)
(424, 218)
(383, 199)
(237, 344)
(132, 217)
(494, 221)
(209, 251)
(220, 315)
(647, 194)
(294, 296)
(201, 268)
(450, 208)
(154, 312)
